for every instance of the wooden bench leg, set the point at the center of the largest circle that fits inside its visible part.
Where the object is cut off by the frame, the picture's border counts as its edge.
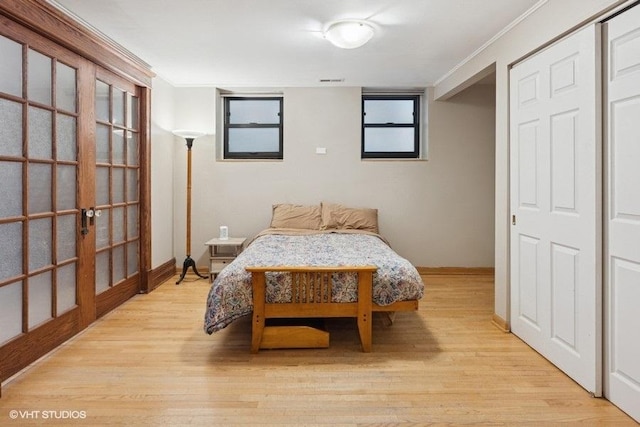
(364, 329)
(256, 332)
(365, 283)
(257, 326)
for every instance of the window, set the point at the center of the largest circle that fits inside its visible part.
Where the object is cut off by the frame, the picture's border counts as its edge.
(253, 128)
(390, 126)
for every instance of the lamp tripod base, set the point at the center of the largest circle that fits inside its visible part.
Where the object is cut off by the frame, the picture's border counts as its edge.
(189, 262)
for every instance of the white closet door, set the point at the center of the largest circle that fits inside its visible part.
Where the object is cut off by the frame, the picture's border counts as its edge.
(622, 378)
(555, 178)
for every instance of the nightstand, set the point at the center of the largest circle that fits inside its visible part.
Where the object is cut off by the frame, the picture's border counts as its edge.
(222, 252)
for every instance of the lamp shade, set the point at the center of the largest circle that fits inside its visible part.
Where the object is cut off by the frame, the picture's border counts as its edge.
(188, 134)
(349, 34)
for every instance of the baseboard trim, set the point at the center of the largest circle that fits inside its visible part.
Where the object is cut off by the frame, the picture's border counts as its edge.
(161, 274)
(500, 323)
(456, 270)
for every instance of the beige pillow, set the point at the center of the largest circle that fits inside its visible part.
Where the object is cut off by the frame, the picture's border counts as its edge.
(335, 216)
(287, 215)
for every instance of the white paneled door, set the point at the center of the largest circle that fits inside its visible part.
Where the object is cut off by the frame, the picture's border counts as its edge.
(555, 158)
(622, 253)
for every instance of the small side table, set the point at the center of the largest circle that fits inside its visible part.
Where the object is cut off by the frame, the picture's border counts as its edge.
(222, 252)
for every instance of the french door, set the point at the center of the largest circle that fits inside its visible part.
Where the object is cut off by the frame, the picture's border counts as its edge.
(69, 192)
(555, 205)
(116, 207)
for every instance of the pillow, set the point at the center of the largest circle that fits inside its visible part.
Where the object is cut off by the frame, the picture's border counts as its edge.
(335, 216)
(287, 215)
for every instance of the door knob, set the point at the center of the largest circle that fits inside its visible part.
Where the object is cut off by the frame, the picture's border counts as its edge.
(88, 213)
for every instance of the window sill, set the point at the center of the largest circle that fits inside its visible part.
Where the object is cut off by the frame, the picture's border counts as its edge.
(394, 160)
(250, 160)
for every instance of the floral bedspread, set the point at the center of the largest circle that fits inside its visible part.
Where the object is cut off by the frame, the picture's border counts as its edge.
(230, 295)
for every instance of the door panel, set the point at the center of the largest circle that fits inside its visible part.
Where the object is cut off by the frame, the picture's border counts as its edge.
(117, 184)
(40, 171)
(555, 196)
(528, 279)
(622, 55)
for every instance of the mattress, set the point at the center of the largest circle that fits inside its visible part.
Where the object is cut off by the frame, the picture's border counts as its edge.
(230, 296)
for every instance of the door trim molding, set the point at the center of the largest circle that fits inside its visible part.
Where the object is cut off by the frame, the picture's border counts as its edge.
(500, 323)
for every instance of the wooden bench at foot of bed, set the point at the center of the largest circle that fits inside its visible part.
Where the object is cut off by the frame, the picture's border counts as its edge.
(311, 289)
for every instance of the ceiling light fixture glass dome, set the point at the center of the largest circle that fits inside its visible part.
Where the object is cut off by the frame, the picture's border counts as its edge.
(349, 33)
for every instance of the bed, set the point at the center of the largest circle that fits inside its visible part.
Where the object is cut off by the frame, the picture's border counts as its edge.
(314, 264)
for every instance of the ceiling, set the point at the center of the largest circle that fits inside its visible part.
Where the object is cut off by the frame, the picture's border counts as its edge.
(279, 43)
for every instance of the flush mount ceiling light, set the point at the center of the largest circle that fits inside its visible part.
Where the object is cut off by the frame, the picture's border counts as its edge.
(349, 33)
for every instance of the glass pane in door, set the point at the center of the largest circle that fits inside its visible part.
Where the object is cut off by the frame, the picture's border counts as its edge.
(103, 275)
(133, 259)
(40, 243)
(40, 135)
(65, 238)
(39, 77)
(132, 111)
(132, 149)
(66, 289)
(11, 189)
(103, 193)
(119, 101)
(66, 136)
(65, 87)
(102, 144)
(118, 264)
(10, 67)
(65, 193)
(11, 313)
(132, 222)
(40, 295)
(11, 250)
(118, 224)
(102, 229)
(102, 101)
(11, 129)
(117, 156)
(117, 185)
(40, 197)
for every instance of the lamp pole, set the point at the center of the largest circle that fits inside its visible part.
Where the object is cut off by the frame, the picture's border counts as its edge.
(189, 136)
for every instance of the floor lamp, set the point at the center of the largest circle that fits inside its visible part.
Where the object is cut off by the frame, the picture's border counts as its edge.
(188, 262)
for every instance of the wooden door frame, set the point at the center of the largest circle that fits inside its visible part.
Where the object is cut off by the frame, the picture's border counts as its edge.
(145, 189)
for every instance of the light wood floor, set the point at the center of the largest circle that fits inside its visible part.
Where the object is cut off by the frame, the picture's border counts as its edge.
(150, 363)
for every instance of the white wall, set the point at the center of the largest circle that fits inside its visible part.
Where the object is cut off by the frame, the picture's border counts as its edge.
(162, 147)
(550, 21)
(436, 213)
